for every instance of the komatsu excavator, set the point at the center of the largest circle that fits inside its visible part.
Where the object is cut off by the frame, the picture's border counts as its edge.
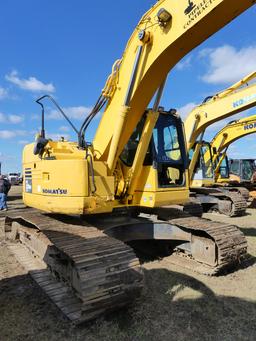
(237, 98)
(239, 173)
(137, 162)
(232, 132)
(215, 158)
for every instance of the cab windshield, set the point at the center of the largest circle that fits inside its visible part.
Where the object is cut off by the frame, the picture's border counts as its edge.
(247, 169)
(224, 169)
(206, 162)
(204, 167)
(166, 151)
(166, 141)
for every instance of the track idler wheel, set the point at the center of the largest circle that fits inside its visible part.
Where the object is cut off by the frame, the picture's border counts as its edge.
(226, 207)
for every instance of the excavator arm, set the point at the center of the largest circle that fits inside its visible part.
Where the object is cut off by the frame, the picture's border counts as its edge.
(165, 34)
(237, 98)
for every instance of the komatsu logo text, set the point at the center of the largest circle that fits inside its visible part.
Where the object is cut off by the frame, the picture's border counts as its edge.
(243, 101)
(57, 191)
(250, 126)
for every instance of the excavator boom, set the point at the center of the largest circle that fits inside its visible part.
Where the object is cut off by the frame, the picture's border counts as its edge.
(231, 133)
(165, 34)
(237, 98)
(226, 136)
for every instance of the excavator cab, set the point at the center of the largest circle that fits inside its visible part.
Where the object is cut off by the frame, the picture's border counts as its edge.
(242, 170)
(166, 152)
(224, 167)
(204, 170)
(237, 171)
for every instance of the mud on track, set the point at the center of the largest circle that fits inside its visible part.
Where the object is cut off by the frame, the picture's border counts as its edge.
(176, 304)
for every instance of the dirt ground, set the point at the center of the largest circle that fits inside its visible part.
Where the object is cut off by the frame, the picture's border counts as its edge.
(176, 304)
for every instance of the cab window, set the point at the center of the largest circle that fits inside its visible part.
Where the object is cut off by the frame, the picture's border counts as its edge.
(234, 167)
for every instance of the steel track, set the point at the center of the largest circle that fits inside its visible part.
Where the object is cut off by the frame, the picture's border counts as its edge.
(87, 273)
(83, 271)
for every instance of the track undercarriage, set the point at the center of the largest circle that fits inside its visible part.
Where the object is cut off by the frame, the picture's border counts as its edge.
(225, 200)
(246, 191)
(86, 266)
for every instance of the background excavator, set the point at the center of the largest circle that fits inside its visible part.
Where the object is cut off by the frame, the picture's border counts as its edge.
(234, 172)
(224, 170)
(235, 99)
(136, 163)
(242, 171)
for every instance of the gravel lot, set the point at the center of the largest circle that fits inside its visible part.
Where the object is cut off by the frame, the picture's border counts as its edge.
(176, 304)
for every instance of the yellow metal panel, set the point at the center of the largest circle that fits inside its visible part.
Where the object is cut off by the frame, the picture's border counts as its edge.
(161, 198)
(60, 181)
(105, 187)
(55, 177)
(148, 193)
(202, 183)
(67, 205)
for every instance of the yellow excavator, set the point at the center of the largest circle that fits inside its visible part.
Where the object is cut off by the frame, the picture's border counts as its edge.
(239, 173)
(237, 98)
(219, 146)
(136, 164)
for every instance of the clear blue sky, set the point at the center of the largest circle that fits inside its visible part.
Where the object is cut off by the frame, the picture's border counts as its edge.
(67, 48)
